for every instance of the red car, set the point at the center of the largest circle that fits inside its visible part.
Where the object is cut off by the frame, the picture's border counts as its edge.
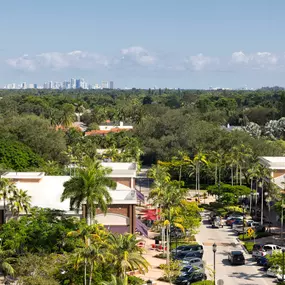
(229, 222)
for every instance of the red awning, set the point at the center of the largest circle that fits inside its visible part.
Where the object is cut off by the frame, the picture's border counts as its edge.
(150, 214)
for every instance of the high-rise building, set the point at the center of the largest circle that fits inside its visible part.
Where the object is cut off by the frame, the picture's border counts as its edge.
(50, 85)
(36, 86)
(31, 86)
(80, 83)
(24, 85)
(104, 84)
(111, 84)
(72, 83)
(45, 85)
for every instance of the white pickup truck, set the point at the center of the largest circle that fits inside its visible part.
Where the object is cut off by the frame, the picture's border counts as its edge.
(266, 249)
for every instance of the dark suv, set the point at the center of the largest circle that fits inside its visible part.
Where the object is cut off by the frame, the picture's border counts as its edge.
(236, 257)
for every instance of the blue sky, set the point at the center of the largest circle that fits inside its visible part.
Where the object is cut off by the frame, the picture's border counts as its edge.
(167, 43)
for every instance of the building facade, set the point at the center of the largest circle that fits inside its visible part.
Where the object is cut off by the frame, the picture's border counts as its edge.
(276, 165)
(45, 192)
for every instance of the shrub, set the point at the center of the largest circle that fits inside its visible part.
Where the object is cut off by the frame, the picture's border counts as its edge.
(134, 280)
(171, 271)
(258, 235)
(249, 246)
(205, 282)
(182, 242)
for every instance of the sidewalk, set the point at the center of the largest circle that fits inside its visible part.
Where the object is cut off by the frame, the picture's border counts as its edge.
(154, 272)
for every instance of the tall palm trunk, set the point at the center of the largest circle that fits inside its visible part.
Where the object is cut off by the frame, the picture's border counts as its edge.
(240, 176)
(237, 174)
(196, 171)
(261, 218)
(198, 177)
(180, 174)
(216, 173)
(4, 214)
(256, 196)
(91, 273)
(167, 244)
(85, 271)
(232, 174)
(250, 197)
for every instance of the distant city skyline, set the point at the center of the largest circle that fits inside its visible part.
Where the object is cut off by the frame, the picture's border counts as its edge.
(73, 83)
(193, 44)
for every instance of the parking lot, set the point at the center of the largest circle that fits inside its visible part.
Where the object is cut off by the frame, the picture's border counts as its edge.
(226, 241)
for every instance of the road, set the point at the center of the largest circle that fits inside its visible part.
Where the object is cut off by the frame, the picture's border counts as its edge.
(226, 241)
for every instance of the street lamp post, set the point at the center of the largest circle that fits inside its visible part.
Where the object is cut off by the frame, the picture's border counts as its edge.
(214, 251)
(243, 206)
(283, 251)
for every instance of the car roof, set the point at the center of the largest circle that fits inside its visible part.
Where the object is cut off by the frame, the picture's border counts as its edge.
(269, 244)
(236, 252)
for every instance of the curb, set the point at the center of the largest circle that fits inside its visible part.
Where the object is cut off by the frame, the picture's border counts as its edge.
(243, 247)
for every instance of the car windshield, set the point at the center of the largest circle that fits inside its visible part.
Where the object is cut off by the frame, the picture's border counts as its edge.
(186, 269)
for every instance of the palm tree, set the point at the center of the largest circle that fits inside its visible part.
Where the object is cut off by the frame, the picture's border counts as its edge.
(5, 190)
(116, 281)
(182, 159)
(93, 239)
(19, 201)
(253, 173)
(112, 153)
(199, 158)
(231, 160)
(90, 188)
(217, 161)
(127, 255)
(68, 115)
(161, 180)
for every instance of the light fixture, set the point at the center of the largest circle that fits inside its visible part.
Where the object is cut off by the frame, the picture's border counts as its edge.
(214, 247)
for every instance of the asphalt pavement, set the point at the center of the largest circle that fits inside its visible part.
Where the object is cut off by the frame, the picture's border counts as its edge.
(226, 241)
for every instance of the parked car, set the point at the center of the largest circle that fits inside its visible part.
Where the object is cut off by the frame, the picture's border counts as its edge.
(237, 223)
(231, 220)
(179, 248)
(273, 271)
(236, 257)
(279, 278)
(193, 261)
(217, 222)
(181, 255)
(258, 251)
(189, 275)
(263, 261)
(269, 248)
(193, 250)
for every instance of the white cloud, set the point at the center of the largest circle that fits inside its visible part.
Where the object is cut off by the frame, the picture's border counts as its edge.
(137, 58)
(200, 62)
(57, 60)
(255, 60)
(138, 55)
(239, 57)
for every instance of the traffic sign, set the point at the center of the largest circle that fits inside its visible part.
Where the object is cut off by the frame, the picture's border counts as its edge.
(250, 232)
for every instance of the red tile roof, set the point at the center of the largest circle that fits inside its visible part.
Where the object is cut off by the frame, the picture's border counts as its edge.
(104, 132)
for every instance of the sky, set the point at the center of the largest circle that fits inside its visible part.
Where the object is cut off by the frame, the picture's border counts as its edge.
(144, 43)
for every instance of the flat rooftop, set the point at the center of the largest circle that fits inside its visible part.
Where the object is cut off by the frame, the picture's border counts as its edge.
(273, 162)
(23, 175)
